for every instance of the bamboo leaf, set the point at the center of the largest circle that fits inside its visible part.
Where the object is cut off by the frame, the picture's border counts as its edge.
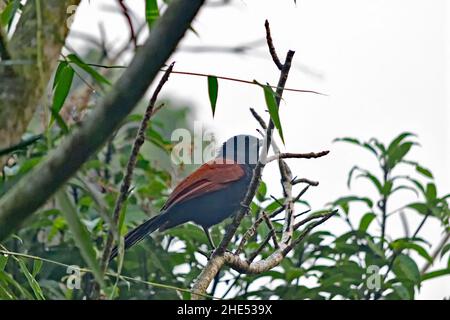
(80, 234)
(272, 106)
(213, 88)
(62, 84)
(151, 12)
(93, 73)
(31, 280)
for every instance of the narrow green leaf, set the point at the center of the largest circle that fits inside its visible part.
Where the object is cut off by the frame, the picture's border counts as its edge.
(8, 13)
(387, 188)
(419, 207)
(31, 280)
(60, 121)
(445, 249)
(431, 192)
(366, 220)
(435, 274)
(398, 153)
(403, 244)
(80, 234)
(424, 171)
(3, 261)
(62, 83)
(373, 179)
(376, 249)
(37, 266)
(151, 12)
(345, 200)
(213, 89)
(394, 144)
(61, 66)
(349, 140)
(272, 106)
(93, 73)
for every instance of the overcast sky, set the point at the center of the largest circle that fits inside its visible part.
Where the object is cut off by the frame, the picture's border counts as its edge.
(382, 63)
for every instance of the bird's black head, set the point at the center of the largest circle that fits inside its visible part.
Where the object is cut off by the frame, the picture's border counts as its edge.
(242, 149)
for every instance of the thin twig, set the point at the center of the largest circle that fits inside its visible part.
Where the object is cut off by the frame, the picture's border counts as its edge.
(271, 230)
(301, 193)
(249, 234)
(258, 118)
(288, 155)
(126, 14)
(124, 188)
(254, 254)
(306, 231)
(310, 218)
(304, 180)
(219, 257)
(295, 216)
(272, 50)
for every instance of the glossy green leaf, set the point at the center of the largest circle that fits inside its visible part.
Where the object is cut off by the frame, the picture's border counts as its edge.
(213, 89)
(406, 268)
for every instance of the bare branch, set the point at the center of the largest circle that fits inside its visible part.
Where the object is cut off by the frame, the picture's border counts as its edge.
(249, 234)
(207, 275)
(126, 182)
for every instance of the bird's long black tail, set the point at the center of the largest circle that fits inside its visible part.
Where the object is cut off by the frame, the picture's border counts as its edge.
(139, 233)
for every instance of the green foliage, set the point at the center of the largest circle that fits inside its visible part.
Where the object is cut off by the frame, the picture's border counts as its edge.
(213, 88)
(151, 12)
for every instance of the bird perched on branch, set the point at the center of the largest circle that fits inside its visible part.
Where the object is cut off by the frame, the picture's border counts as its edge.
(209, 195)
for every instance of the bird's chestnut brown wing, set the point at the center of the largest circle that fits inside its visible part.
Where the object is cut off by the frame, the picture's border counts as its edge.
(211, 176)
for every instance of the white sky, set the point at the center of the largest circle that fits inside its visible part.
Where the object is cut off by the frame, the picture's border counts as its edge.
(382, 63)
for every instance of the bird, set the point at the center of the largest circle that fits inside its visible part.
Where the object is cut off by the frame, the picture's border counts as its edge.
(207, 196)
